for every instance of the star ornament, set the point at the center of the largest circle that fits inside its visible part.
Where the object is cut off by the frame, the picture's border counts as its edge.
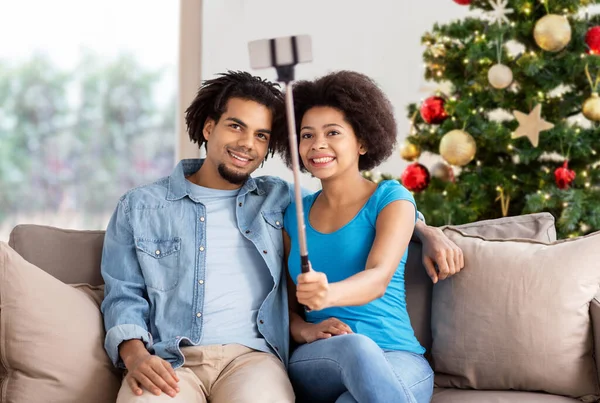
(531, 125)
(499, 11)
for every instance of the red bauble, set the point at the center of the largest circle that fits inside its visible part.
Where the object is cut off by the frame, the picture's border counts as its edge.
(564, 176)
(592, 38)
(463, 2)
(416, 177)
(432, 110)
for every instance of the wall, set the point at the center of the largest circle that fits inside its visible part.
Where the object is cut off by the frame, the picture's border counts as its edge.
(380, 38)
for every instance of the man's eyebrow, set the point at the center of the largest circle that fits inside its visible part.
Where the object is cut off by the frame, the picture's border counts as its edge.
(245, 126)
(239, 122)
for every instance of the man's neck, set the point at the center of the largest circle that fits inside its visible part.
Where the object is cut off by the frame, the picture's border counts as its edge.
(208, 176)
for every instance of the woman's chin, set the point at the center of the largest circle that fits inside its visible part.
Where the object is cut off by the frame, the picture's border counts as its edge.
(321, 174)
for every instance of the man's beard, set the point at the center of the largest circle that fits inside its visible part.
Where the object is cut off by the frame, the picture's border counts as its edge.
(232, 177)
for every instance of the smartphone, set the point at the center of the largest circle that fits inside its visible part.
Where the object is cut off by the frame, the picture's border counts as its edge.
(277, 52)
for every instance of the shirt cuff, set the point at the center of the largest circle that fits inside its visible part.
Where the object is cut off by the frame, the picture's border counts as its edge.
(118, 334)
(421, 217)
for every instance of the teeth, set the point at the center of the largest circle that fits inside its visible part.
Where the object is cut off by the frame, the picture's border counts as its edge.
(239, 158)
(323, 160)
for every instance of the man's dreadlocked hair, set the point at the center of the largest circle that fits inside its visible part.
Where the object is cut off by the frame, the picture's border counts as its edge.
(213, 95)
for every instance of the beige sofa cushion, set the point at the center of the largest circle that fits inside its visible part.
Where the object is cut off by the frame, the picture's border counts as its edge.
(538, 226)
(505, 396)
(51, 338)
(517, 316)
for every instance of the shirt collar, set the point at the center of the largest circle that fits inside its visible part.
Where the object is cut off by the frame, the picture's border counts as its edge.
(178, 186)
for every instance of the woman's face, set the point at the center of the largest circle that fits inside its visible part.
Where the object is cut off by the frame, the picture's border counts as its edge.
(328, 145)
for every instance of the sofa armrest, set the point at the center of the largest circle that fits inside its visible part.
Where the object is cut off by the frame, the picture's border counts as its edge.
(595, 315)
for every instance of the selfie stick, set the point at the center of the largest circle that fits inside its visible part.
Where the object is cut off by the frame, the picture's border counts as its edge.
(284, 54)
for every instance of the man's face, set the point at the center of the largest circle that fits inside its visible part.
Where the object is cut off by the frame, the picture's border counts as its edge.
(239, 142)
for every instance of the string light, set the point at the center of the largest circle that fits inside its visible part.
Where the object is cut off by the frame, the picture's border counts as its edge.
(565, 204)
(444, 193)
(547, 196)
(514, 177)
(510, 147)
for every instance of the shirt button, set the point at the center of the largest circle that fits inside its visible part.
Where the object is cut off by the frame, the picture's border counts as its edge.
(202, 249)
(202, 219)
(261, 321)
(199, 314)
(277, 223)
(265, 252)
(240, 204)
(247, 231)
(200, 282)
(157, 252)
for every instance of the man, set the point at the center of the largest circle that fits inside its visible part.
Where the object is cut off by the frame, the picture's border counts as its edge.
(196, 305)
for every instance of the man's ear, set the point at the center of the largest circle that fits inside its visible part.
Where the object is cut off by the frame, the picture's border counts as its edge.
(209, 126)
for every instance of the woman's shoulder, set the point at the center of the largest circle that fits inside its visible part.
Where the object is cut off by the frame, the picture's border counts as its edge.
(394, 190)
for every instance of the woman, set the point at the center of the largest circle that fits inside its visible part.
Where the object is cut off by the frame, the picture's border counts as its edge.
(356, 341)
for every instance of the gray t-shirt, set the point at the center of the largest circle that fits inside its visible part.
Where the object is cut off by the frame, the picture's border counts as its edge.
(237, 278)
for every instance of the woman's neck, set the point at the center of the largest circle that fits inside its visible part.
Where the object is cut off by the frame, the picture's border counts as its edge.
(346, 189)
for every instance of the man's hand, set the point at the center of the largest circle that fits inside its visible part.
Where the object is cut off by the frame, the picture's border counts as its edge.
(147, 370)
(313, 290)
(324, 330)
(439, 251)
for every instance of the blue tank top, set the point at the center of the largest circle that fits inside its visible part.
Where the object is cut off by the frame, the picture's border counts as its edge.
(342, 254)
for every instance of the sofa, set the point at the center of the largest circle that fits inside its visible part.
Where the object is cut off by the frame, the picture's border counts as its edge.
(51, 330)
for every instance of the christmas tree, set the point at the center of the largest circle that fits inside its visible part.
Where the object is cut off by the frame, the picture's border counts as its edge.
(517, 129)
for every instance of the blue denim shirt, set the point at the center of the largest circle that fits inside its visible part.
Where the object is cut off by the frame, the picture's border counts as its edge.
(153, 263)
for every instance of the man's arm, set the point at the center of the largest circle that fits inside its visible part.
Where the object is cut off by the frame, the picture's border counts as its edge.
(124, 307)
(442, 258)
(126, 311)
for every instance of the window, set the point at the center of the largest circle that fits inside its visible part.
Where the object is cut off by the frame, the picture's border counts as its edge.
(88, 100)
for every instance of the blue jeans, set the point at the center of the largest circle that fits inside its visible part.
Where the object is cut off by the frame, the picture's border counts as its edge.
(352, 368)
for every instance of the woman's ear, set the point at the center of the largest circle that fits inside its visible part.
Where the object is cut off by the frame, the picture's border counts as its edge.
(362, 150)
(209, 125)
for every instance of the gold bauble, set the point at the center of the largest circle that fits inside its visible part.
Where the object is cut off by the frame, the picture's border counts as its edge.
(458, 148)
(552, 33)
(591, 108)
(500, 76)
(410, 151)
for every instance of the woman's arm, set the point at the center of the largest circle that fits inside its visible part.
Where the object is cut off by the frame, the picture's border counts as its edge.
(300, 330)
(394, 228)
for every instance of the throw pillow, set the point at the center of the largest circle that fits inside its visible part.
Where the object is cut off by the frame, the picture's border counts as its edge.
(517, 316)
(51, 338)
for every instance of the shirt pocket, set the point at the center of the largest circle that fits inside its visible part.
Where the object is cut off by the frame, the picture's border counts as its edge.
(159, 260)
(274, 220)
